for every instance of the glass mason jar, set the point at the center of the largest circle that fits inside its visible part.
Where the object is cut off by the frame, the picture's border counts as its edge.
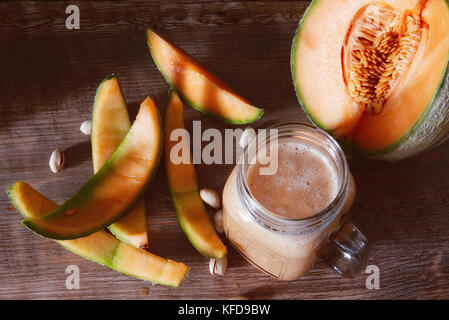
(287, 248)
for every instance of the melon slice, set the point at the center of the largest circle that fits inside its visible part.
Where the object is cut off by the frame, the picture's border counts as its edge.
(110, 124)
(183, 187)
(197, 85)
(114, 189)
(101, 247)
(375, 73)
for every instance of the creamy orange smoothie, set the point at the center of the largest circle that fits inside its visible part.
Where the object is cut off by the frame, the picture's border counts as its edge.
(305, 182)
(280, 221)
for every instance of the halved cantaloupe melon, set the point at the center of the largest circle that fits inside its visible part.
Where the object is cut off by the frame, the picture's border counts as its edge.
(110, 124)
(101, 247)
(197, 85)
(183, 186)
(375, 73)
(114, 189)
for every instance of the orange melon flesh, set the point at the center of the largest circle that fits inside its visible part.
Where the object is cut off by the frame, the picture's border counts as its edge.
(200, 88)
(110, 124)
(102, 247)
(183, 187)
(317, 69)
(110, 121)
(182, 176)
(111, 192)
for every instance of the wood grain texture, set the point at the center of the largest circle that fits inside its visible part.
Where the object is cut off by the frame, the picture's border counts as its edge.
(47, 87)
(46, 18)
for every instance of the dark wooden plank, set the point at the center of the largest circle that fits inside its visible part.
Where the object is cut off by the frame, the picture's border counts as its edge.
(48, 82)
(26, 20)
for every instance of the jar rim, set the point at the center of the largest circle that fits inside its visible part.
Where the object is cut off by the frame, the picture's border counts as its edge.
(276, 222)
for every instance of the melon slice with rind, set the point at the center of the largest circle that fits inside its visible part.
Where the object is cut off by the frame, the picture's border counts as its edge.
(102, 247)
(114, 189)
(197, 85)
(183, 187)
(110, 124)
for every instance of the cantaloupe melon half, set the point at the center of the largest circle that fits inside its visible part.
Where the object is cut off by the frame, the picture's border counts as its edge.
(110, 124)
(101, 247)
(197, 85)
(375, 73)
(115, 188)
(183, 184)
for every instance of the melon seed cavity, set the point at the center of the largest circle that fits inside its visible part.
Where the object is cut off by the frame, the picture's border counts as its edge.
(379, 48)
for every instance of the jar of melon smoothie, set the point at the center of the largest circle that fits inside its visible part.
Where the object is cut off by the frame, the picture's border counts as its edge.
(283, 221)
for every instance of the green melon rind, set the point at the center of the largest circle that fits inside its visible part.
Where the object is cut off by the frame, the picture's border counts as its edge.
(190, 237)
(107, 261)
(86, 191)
(293, 66)
(173, 197)
(256, 117)
(112, 228)
(151, 280)
(82, 195)
(112, 76)
(154, 281)
(435, 115)
(118, 234)
(102, 261)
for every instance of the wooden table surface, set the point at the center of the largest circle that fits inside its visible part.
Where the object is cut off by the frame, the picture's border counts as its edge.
(47, 84)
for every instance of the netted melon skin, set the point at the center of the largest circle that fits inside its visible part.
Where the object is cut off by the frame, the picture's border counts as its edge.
(431, 130)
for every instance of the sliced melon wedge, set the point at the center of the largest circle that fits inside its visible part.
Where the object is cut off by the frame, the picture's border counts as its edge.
(184, 192)
(197, 85)
(101, 247)
(110, 124)
(114, 189)
(375, 73)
